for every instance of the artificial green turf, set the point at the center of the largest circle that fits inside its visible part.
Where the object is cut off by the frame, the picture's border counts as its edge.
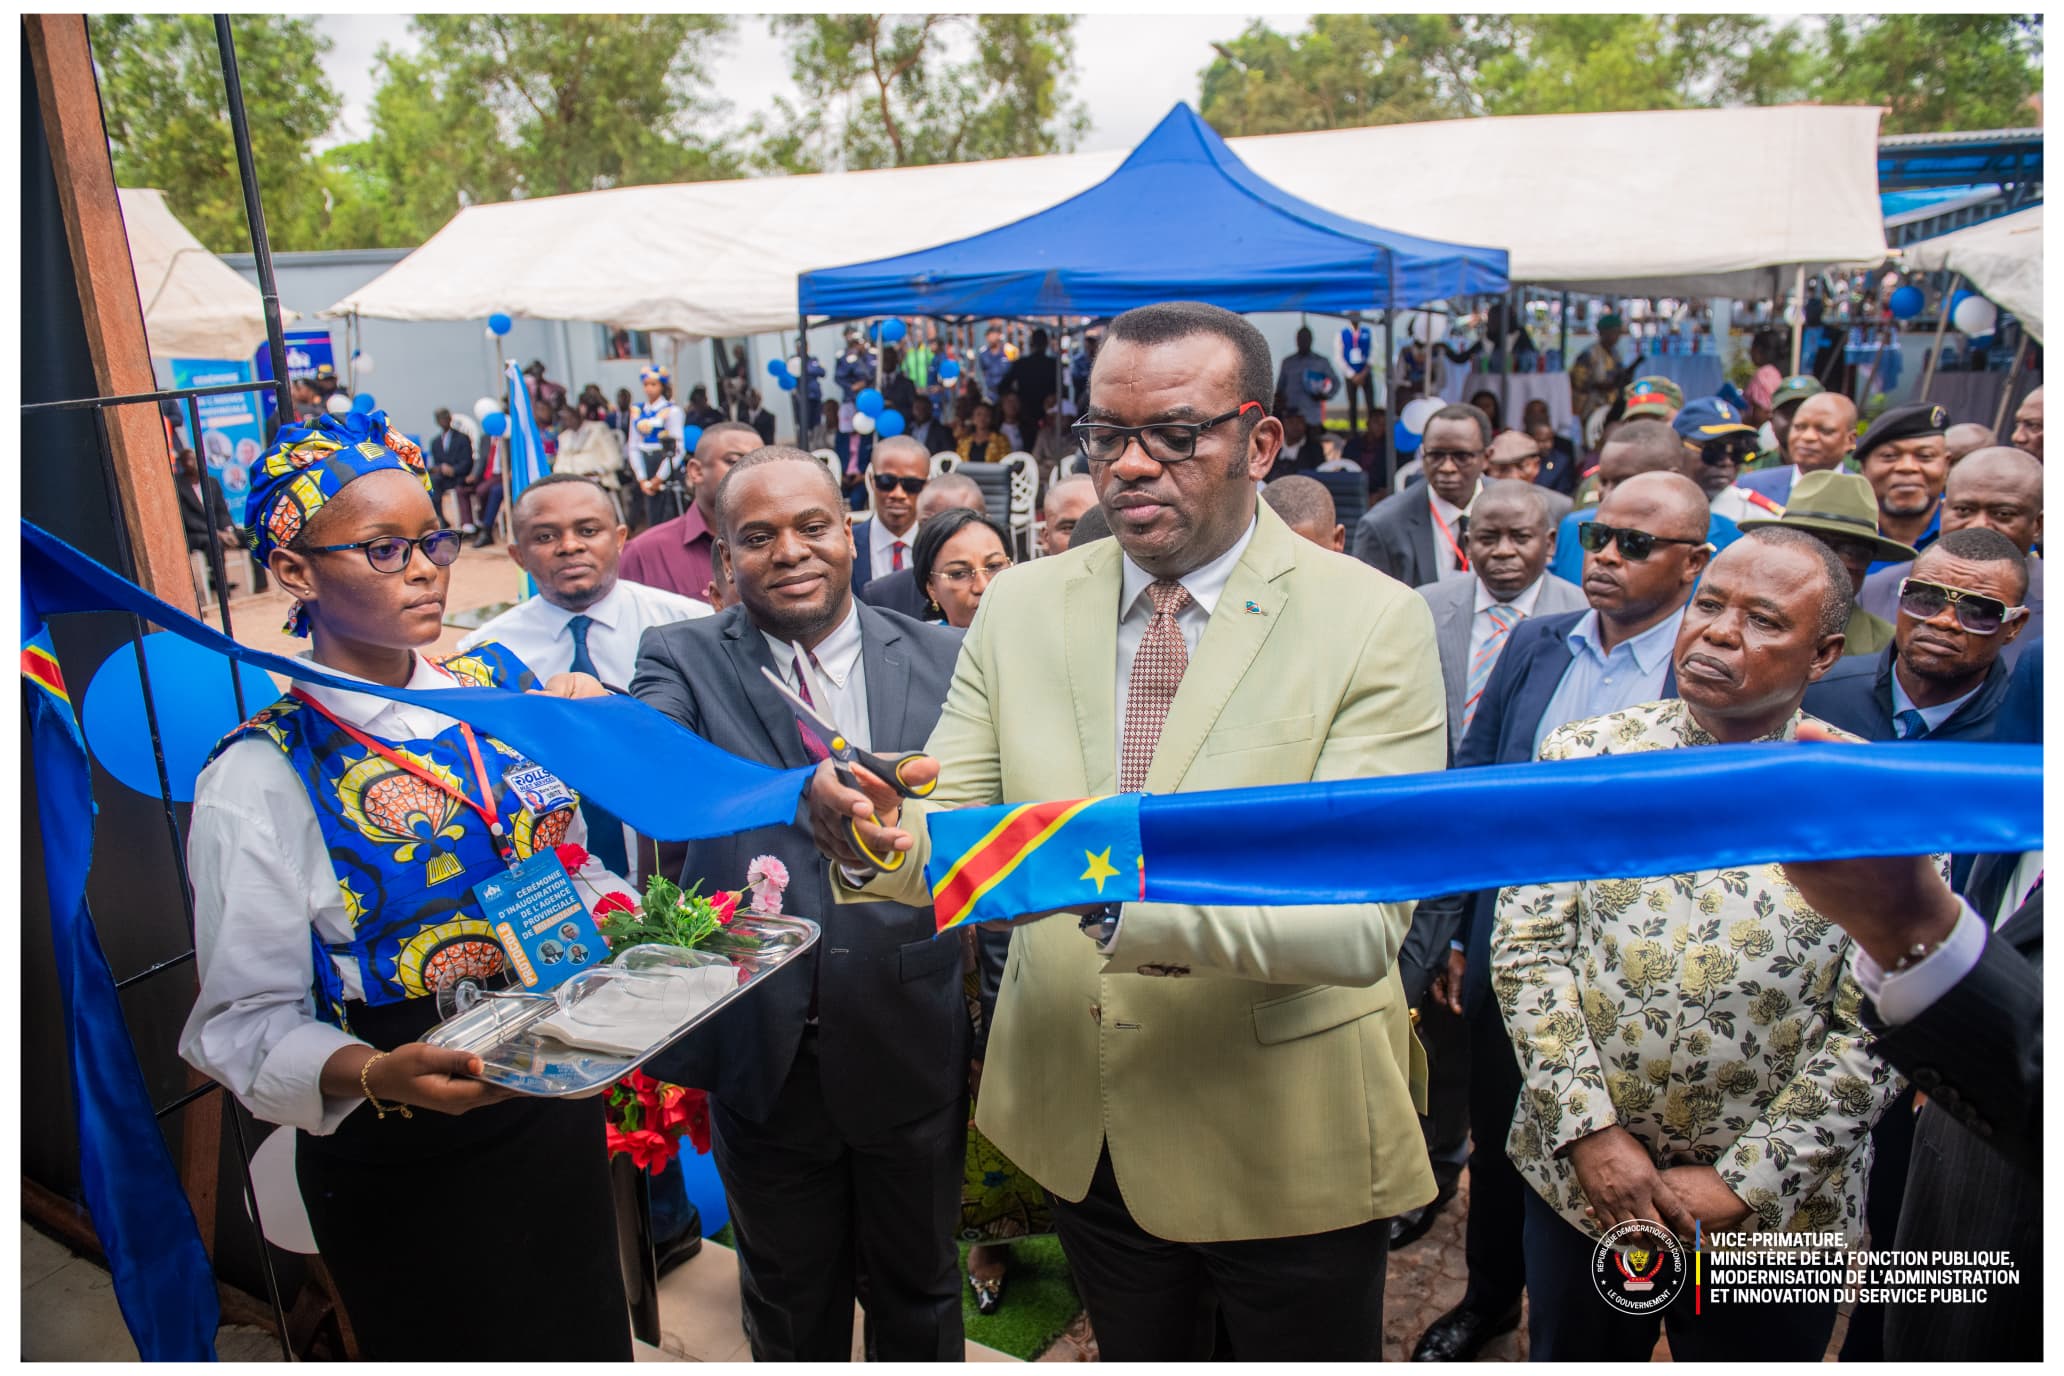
(1039, 1299)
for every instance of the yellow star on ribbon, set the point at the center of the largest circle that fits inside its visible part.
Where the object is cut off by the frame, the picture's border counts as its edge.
(1100, 867)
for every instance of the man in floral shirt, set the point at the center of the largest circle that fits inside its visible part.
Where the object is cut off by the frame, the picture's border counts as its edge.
(1690, 1042)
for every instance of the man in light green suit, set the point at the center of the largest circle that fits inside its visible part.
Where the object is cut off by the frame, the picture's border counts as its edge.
(1221, 1100)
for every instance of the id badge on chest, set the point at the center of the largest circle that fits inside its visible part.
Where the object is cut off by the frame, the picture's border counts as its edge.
(539, 788)
(540, 921)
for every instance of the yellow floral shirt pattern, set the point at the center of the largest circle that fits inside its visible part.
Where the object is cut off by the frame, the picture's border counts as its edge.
(1710, 1014)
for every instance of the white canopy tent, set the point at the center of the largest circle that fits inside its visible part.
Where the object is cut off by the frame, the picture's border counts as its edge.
(194, 304)
(2002, 259)
(1662, 212)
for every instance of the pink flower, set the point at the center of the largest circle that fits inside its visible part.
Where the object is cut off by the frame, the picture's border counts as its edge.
(768, 879)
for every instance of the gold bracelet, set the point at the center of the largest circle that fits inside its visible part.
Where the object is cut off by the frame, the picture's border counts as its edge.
(378, 1107)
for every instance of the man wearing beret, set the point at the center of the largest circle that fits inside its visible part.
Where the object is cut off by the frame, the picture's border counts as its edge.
(1906, 461)
(1840, 510)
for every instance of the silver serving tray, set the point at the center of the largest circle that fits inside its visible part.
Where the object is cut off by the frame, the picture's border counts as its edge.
(518, 1055)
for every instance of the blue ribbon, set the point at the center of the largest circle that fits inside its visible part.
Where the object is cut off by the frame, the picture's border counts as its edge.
(630, 759)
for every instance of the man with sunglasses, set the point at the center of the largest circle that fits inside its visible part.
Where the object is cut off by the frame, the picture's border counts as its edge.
(676, 553)
(898, 590)
(881, 543)
(1717, 442)
(1417, 536)
(1943, 679)
(1205, 647)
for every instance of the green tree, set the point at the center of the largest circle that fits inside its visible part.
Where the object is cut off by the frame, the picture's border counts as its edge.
(1936, 72)
(905, 90)
(1551, 64)
(1344, 71)
(168, 120)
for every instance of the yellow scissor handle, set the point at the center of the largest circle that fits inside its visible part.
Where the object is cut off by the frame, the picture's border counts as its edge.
(888, 864)
(923, 790)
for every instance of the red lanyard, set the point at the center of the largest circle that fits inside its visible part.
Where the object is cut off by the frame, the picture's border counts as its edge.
(486, 812)
(1461, 559)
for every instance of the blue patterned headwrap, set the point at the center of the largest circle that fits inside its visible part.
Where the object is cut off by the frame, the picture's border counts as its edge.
(308, 465)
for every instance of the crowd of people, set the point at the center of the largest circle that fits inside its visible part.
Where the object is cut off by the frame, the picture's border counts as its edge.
(1230, 1115)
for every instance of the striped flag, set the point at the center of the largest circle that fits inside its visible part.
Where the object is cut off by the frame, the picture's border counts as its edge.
(994, 863)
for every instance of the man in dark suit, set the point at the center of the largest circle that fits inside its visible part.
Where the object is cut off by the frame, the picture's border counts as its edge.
(900, 470)
(1416, 537)
(898, 591)
(451, 459)
(204, 515)
(1963, 1021)
(1550, 673)
(839, 1092)
(1943, 679)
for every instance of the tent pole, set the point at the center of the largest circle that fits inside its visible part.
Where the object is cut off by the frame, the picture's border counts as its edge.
(1562, 345)
(804, 420)
(1999, 414)
(1505, 364)
(1799, 325)
(1941, 329)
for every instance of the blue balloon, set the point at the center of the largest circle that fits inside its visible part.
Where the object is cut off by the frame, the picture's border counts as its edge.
(494, 423)
(1907, 301)
(777, 367)
(787, 381)
(869, 402)
(364, 404)
(888, 423)
(874, 331)
(1403, 440)
(949, 371)
(500, 323)
(190, 688)
(893, 329)
(690, 437)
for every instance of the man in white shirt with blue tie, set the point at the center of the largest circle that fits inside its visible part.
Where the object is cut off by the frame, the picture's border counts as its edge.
(583, 619)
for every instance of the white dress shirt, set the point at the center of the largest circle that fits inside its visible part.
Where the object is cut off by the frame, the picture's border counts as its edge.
(536, 629)
(1901, 996)
(1480, 625)
(1934, 716)
(261, 878)
(838, 682)
(881, 540)
(1136, 609)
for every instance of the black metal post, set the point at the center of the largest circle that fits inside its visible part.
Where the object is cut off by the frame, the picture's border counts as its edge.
(254, 213)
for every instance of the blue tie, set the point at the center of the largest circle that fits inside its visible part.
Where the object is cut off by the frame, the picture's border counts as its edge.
(577, 626)
(1912, 725)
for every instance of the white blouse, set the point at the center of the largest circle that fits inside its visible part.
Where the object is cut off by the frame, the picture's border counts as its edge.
(261, 878)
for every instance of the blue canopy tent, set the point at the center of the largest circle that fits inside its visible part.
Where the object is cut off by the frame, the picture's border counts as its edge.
(1181, 219)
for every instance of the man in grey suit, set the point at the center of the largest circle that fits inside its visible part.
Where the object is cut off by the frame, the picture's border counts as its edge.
(1511, 539)
(838, 1092)
(1416, 536)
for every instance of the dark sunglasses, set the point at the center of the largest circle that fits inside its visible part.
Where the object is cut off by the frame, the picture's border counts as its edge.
(1635, 545)
(1739, 449)
(889, 482)
(390, 553)
(1975, 612)
(1167, 442)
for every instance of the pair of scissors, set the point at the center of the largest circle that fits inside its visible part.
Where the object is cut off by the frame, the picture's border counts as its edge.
(845, 755)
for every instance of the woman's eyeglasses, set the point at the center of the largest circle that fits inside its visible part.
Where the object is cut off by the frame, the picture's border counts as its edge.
(1975, 612)
(1167, 442)
(1635, 545)
(960, 573)
(889, 482)
(390, 553)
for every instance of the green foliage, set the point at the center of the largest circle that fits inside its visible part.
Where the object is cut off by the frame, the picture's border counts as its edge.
(1571, 63)
(1937, 72)
(1345, 71)
(907, 90)
(668, 917)
(168, 120)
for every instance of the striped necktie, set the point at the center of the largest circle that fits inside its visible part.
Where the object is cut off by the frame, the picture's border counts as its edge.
(1503, 618)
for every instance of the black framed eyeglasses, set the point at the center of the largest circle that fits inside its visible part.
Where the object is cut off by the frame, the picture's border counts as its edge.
(889, 482)
(1430, 459)
(1163, 442)
(1635, 545)
(1975, 612)
(390, 553)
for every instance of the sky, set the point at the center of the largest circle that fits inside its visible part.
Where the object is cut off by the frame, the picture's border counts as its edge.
(1124, 96)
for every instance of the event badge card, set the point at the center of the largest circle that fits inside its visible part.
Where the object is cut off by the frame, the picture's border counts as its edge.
(541, 922)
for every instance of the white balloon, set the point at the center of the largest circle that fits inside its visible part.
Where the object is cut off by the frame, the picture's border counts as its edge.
(863, 423)
(362, 364)
(1418, 411)
(1427, 327)
(338, 404)
(485, 407)
(1975, 316)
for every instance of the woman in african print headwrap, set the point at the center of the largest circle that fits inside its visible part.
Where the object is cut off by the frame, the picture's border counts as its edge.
(335, 844)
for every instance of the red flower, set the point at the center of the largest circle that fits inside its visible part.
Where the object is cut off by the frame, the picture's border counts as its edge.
(571, 856)
(650, 1151)
(687, 1110)
(726, 904)
(615, 903)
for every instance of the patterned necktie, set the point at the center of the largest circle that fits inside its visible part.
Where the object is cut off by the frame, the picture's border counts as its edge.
(1157, 671)
(896, 557)
(812, 747)
(577, 627)
(1912, 725)
(1503, 619)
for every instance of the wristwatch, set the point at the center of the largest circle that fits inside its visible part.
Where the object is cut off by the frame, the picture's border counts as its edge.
(1100, 923)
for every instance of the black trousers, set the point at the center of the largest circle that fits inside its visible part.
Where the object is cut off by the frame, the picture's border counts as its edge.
(1312, 1298)
(1497, 1195)
(1568, 1321)
(1445, 1036)
(1367, 388)
(822, 1219)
